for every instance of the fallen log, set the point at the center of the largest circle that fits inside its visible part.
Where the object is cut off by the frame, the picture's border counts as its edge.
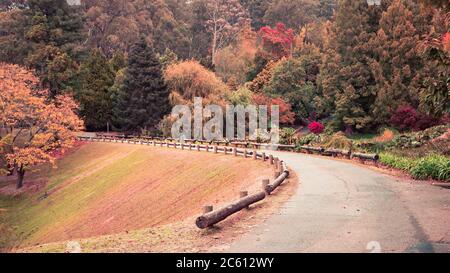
(211, 218)
(277, 182)
(313, 149)
(373, 157)
(334, 152)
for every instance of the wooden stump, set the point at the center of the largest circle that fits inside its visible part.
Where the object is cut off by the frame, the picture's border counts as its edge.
(234, 151)
(255, 155)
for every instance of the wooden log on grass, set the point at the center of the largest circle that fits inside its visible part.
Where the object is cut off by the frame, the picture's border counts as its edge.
(214, 217)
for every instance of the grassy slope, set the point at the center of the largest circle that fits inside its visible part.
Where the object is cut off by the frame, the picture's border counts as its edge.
(105, 188)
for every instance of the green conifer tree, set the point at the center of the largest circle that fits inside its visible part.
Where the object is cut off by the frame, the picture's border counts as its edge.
(144, 99)
(94, 96)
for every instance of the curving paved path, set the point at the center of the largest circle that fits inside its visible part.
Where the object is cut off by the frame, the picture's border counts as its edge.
(342, 207)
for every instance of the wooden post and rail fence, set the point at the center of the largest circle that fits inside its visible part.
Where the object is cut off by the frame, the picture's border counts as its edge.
(236, 148)
(211, 216)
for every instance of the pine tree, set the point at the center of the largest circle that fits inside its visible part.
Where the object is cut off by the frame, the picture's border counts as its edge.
(349, 83)
(94, 96)
(144, 98)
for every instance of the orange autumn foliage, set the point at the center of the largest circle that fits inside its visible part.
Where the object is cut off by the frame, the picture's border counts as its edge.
(286, 114)
(32, 126)
(386, 136)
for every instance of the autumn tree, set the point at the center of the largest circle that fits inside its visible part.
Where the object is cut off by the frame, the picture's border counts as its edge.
(33, 128)
(225, 20)
(285, 109)
(232, 60)
(263, 78)
(189, 79)
(278, 41)
(94, 95)
(144, 98)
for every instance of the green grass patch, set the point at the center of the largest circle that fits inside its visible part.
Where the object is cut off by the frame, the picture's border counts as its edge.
(429, 167)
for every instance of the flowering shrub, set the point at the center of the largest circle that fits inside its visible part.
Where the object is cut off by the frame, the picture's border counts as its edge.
(316, 127)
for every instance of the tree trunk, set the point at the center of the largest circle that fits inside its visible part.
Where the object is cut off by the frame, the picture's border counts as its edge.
(20, 176)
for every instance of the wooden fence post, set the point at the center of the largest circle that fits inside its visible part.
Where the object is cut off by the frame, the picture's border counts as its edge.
(264, 184)
(234, 151)
(207, 209)
(263, 156)
(243, 194)
(215, 149)
(245, 153)
(255, 155)
(271, 159)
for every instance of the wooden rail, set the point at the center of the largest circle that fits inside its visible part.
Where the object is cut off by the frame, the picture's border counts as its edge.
(241, 144)
(211, 217)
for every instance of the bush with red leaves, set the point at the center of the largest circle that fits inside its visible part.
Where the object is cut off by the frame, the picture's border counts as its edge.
(316, 127)
(406, 118)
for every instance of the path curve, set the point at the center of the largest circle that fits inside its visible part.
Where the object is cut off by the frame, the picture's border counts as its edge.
(344, 207)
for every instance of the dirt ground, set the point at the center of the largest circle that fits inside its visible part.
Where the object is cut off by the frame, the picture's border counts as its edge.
(181, 236)
(129, 190)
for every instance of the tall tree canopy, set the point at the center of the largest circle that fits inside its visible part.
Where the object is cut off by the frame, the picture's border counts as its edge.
(144, 98)
(94, 95)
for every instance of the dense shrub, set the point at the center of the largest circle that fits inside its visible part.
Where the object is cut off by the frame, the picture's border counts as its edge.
(308, 139)
(316, 127)
(417, 139)
(338, 141)
(287, 136)
(406, 118)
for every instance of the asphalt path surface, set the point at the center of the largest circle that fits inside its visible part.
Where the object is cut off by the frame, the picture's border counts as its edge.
(344, 207)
